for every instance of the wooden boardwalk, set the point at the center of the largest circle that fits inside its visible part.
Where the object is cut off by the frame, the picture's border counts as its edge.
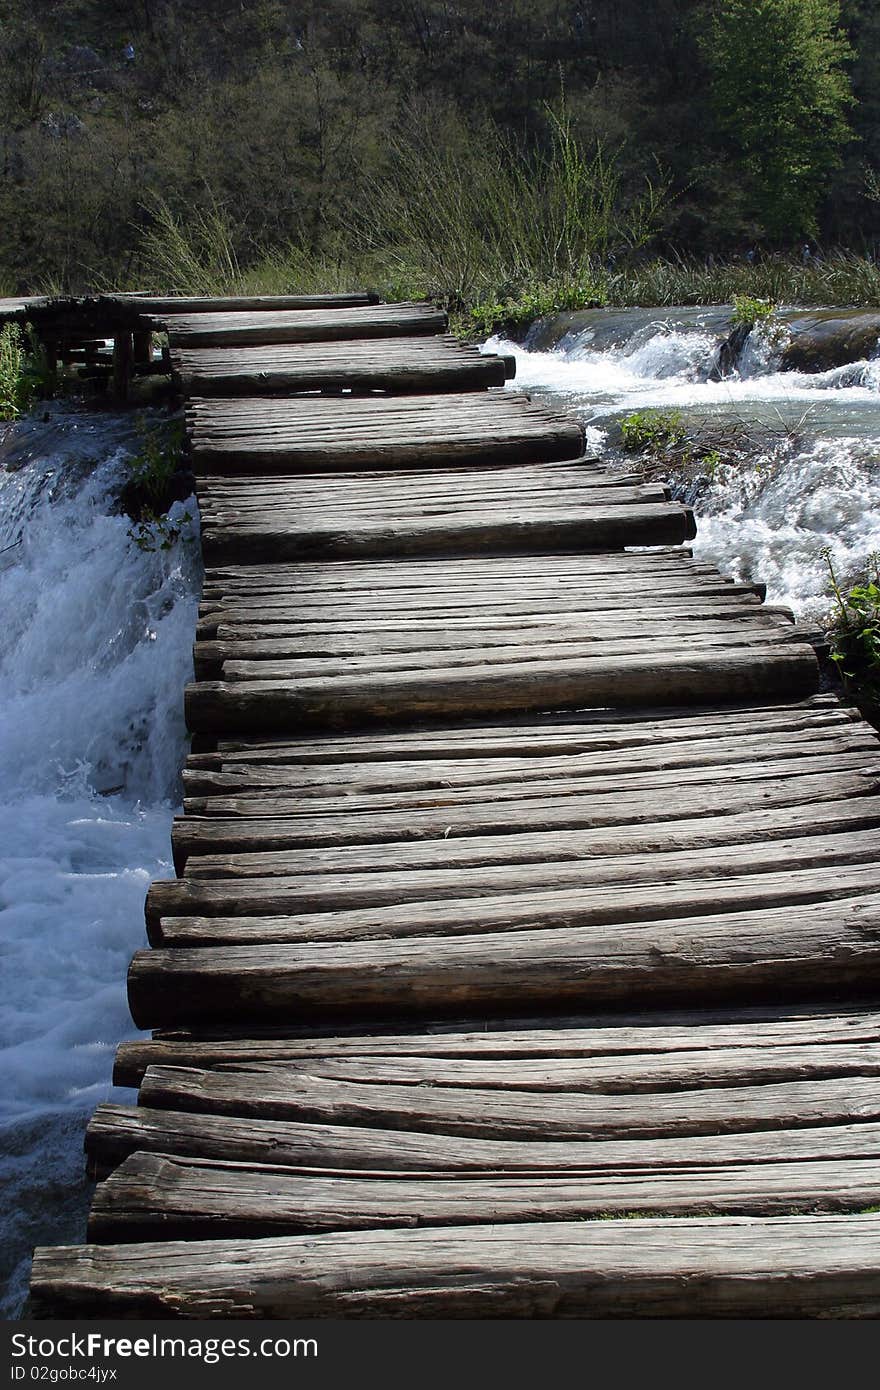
(523, 878)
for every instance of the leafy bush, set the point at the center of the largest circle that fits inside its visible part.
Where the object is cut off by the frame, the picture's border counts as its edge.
(653, 431)
(855, 630)
(24, 374)
(747, 310)
(153, 486)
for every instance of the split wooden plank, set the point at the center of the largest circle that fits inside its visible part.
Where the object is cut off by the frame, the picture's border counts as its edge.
(537, 736)
(241, 328)
(817, 1266)
(230, 663)
(680, 1072)
(316, 577)
(158, 1197)
(396, 364)
(328, 868)
(221, 304)
(278, 1092)
(227, 773)
(627, 1043)
(291, 434)
(585, 900)
(621, 773)
(803, 946)
(117, 1131)
(229, 659)
(572, 595)
(283, 537)
(301, 894)
(193, 835)
(680, 678)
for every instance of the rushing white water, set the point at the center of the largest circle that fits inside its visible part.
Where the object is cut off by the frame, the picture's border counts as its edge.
(95, 647)
(814, 482)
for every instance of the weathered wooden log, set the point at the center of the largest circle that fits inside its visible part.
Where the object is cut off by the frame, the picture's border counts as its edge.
(611, 1075)
(213, 707)
(232, 660)
(595, 528)
(816, 1266)
(659, 1045)
(588, 595)
(589, 901)
(618, 774)
(537, 735)
(233, 835)
(221, 304)
(790, 950)
(156, 1197)
(395, 364)
(245, 327)
(308, 893)
(607, 754)
(117, 1131)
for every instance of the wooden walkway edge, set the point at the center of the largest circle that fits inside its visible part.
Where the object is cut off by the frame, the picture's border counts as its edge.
(524, 878)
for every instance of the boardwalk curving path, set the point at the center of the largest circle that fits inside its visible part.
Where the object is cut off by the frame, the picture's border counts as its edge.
(523, 878)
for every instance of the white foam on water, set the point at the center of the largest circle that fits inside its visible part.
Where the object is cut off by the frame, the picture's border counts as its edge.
(95, 647)
(817, 484)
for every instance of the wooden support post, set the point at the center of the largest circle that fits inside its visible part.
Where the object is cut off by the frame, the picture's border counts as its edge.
(122, 360)
(142, 348)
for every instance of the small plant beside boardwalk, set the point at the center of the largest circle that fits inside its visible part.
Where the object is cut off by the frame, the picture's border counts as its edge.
(24, 375)
(855, 633)
(157, 479)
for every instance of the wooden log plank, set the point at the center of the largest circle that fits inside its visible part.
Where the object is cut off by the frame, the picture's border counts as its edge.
(231, 660)
(220, 304)
(654, 591)
(192, 835)
(272, 916)
(787, 950)
(257, 503)
(256, 667)
(818, 1266)
(117, 1131)
(607, 756)
(534, 736)
(703, 832)
(654, 1041)
(225, 659)
(603, 616)
(593, 528)
(301, 894)
(316, 575)
(681, 1072)
(310, 325)
(401, 364)
(682, 678)
(156, 1197)
(620, 774)
(257, 511)
(277, 1092)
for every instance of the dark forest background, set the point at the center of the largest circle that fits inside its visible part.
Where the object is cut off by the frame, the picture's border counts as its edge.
(297, 131)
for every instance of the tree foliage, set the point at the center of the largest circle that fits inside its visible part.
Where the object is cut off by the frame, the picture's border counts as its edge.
(278, 118)
(781, 95)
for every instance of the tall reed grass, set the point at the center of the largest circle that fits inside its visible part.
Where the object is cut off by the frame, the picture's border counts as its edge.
(499, 233)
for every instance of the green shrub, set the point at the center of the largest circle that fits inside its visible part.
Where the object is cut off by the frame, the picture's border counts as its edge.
(747, 310)
(855, 630)
(151, 489)
(24, 374)
(652, 431)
